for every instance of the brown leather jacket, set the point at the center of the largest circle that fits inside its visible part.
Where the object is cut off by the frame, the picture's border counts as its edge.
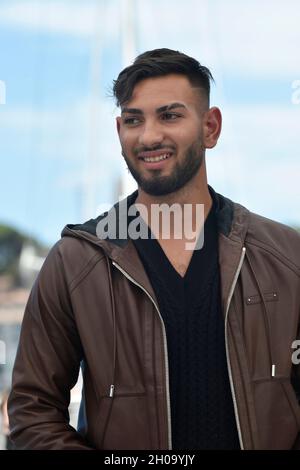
(93, 305)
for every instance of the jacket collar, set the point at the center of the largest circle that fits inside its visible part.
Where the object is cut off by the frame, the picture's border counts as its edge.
(229, 219)
(232, 220)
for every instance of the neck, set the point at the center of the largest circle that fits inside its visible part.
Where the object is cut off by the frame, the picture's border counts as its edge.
(193, 193)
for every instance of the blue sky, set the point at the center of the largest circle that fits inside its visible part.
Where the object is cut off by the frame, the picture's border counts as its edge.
(50, 153)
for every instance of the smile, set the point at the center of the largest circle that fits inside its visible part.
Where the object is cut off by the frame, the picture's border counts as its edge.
(154, 156)
(156, 159)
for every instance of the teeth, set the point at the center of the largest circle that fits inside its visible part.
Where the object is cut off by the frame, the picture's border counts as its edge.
(156, 159)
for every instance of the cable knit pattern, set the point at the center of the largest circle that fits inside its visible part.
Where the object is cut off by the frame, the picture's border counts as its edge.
(201, 403)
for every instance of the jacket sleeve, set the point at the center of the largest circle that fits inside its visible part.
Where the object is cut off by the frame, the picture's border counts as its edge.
(295, 380)
(46, 366)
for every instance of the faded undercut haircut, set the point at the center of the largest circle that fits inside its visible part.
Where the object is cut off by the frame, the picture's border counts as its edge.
(157, 63)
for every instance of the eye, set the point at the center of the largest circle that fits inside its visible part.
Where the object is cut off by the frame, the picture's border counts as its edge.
(170, 116)
(131, 121)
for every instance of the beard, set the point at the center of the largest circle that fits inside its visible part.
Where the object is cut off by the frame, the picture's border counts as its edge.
(182, 172)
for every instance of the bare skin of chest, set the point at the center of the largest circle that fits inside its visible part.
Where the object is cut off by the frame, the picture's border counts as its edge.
(176, 253)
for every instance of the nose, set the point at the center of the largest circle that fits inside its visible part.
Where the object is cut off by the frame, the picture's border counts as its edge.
(151, 134)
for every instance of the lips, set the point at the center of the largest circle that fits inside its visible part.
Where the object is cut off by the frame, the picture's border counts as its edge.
(156, 159)
(154, 156)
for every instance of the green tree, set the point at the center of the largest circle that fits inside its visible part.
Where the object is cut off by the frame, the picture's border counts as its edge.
(11, 242)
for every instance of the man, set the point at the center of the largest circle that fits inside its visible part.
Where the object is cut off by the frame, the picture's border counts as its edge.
(180, 348)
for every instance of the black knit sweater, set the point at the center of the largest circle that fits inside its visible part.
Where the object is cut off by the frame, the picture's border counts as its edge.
(202, 413)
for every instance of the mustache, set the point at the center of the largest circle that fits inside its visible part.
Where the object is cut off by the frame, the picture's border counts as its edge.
(143, 148)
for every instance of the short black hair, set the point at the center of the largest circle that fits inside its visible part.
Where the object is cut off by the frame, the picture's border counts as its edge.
(160, 62)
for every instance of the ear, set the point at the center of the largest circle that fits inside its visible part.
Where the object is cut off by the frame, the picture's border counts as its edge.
(118, 123)
(212, 124)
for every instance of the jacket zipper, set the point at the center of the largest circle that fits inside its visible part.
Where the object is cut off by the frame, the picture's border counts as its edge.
(227, 349)
(165, 348)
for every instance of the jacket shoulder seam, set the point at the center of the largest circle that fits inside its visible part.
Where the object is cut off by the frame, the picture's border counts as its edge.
(88, 266)
(283, 259)
(85, 271)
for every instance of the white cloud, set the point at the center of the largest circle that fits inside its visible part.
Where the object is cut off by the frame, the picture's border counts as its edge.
(260, 38)
(276, 126)
(254, 39)
(255, 161)
(65, 134)
(257, 39)
(26, 119)
(80, 19)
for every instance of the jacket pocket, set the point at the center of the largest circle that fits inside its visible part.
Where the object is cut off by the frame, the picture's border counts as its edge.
(256, 299)
(277, 413)
(123, 422)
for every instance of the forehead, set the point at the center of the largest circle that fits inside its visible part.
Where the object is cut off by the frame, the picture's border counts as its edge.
(158, 91)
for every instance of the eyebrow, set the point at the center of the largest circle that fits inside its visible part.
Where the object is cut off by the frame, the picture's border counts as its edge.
(162, 109)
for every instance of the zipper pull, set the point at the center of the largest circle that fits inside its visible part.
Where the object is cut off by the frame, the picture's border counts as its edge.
(273, 370)
(111, 391)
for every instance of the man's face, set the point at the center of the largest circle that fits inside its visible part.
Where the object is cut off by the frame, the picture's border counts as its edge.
(160, 131)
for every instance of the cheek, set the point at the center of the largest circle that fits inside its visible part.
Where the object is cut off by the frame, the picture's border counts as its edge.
(186, 139)
(127, 139)
(187, 134)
